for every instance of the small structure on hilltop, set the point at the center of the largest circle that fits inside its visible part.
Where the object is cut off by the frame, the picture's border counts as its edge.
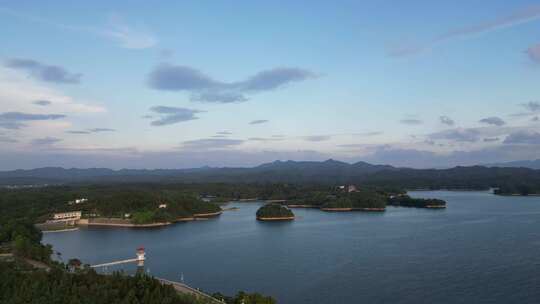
(78, 201)
(74, 264)
(208, 198)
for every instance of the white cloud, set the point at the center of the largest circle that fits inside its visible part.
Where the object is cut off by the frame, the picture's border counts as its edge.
(527, 14)
(127, 36)
(18, 93)
(117, 30)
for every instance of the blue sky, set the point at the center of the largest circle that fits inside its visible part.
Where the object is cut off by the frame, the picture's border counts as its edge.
(222, 83)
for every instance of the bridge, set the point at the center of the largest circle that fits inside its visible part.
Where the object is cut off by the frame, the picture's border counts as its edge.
(179, 287)
(141, 256)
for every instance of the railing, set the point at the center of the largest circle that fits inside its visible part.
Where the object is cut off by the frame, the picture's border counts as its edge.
(115, 263)
(183, 288)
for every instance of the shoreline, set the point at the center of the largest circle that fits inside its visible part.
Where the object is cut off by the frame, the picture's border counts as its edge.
(303, 206)
(275, 219)
(435, 207)
(122, 223)
(60, 230)
(275, 201)
(353, 209)
(517, 194)
(212, 214)
(86, 222)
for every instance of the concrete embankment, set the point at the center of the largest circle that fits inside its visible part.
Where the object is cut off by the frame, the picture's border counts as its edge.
(276, 201)
(117, 222)
(61, 230)
(213, 214)
(198, 217)
(56, 226)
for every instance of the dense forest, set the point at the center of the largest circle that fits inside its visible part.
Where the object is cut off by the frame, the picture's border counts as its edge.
(407, 201)
(141, 202)
(274, 211)
(364, 199)
(21, 284)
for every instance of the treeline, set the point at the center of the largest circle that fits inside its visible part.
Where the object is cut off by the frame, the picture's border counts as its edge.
(521, 181)
(407, 201)
(59, 286)
(518, 189)
(87, 287)
(141, 202)
(23, 239)
(328, 173)
(274, 211)
(364, 199)
(245, 298)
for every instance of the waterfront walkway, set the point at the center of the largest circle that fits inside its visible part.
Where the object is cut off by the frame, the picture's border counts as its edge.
(183, 288)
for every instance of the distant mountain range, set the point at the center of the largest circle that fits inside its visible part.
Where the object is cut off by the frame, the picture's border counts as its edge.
(327, 172)
(532, 164)
(274, 171)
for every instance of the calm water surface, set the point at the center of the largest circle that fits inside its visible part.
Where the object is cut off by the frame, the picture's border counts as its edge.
(481, 249)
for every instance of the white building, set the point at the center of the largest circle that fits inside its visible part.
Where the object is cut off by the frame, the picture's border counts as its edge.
(352, 188)
(67, 216)
(78, 201)
(162, 206)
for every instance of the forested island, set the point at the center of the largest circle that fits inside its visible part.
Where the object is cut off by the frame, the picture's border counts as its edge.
(407, 201)
(274, 212)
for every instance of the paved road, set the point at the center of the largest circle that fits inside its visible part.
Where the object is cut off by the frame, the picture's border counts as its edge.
(183, 288)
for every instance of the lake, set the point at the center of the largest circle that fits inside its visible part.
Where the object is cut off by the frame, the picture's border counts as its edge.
(482, 249)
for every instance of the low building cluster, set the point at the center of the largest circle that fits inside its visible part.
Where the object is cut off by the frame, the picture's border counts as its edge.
(78, 201)
(67, 216)
(349, 188)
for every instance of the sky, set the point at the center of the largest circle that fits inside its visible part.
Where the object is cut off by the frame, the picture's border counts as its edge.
(182, 84)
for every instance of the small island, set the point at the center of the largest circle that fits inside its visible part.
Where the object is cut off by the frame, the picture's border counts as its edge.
(407, 201)
(274, 212)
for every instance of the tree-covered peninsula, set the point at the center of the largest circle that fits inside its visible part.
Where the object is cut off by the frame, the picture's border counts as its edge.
(128, 204)
(407, 201)
(355, 201)
(274, 212)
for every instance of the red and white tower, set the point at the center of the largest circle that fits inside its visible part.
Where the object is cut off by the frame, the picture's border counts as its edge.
(141, 256)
